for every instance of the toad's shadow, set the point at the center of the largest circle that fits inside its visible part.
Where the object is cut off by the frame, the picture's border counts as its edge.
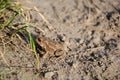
(26, 37)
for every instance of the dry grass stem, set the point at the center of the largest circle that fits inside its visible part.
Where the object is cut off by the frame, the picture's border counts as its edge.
(2, 54)
(41, 15)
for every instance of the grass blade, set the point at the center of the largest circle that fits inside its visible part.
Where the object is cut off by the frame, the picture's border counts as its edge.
(6, 23)
(34, 48)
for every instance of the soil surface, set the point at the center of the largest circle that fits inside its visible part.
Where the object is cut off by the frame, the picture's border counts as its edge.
(89, 31)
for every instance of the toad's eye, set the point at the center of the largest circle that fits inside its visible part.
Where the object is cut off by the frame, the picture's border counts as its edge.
(39, 39)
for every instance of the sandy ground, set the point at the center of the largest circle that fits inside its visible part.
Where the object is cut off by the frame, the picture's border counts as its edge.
(89, 31)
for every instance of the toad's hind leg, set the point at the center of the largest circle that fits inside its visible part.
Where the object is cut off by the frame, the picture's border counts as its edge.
(59, 53)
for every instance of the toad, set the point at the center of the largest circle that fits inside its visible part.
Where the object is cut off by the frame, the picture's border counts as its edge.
(49, 47)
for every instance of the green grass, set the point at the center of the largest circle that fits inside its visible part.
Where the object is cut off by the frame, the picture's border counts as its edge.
(32, 43)
(9, 11)
(33, 47)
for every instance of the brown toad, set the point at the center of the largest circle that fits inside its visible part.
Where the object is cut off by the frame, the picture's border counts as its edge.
(50, 47)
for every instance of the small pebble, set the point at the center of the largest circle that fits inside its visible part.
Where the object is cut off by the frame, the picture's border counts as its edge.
(48, 75)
